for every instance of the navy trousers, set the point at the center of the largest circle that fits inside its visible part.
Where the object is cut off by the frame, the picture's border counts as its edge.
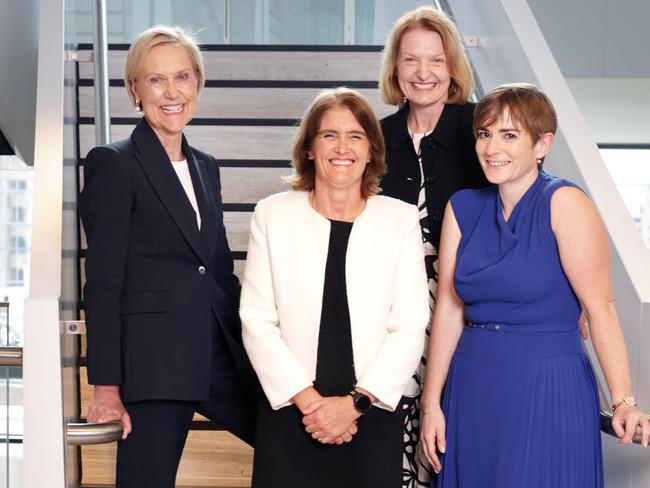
(149, 457)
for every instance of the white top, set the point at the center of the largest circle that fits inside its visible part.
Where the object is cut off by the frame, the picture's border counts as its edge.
(282, 295)
(183, 173)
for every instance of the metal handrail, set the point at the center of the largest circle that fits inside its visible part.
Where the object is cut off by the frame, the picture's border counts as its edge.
(11, 356)
(82, 434)
(101, 83)
(76, 434)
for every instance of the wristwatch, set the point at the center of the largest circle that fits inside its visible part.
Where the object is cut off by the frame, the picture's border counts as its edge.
(627, 400)
(360, 401)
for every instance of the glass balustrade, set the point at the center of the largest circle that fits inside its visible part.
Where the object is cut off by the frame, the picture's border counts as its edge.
(328, 22)
(11, 426)
(15, 243)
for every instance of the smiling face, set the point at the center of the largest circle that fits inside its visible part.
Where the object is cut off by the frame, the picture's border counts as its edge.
(422, 71)
(167, 89)
(340, 151)
(507, 152)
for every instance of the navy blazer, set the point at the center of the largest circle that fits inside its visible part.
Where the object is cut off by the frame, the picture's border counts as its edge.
(154, 282)
(448, 158)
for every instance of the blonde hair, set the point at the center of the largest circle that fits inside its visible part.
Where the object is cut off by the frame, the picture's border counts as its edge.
(425, 17)
(304, 176)
(155, 36)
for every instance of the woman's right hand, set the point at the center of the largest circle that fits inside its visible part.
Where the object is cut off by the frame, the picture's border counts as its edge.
(433, 436)
(107, 406)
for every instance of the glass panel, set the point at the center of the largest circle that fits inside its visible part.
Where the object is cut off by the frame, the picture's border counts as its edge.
(11, 426)
(15, 241)
(630, 170)
(247, 21)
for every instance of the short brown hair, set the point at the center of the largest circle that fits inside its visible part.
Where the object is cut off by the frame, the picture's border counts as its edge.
(527, 105)
(462, 80)
(304, 176)
(154, 36)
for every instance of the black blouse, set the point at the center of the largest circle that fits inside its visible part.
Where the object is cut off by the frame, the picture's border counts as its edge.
(335, 364)
(448, 158)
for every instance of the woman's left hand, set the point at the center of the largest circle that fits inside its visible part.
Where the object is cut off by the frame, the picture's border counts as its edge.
(625, 422)
(331, 419)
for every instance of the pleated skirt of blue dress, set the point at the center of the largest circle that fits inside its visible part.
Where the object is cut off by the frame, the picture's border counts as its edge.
(521, 405)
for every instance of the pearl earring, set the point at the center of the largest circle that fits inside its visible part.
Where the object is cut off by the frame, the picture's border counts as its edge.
(539, 161)
(138, 108)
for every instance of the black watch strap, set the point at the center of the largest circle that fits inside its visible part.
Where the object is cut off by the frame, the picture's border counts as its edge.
(360, 401)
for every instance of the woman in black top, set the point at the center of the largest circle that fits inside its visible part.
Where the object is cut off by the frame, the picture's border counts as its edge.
(429, 154)
(333, 337)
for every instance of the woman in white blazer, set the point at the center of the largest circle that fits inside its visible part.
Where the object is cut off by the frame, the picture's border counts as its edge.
(334, 307)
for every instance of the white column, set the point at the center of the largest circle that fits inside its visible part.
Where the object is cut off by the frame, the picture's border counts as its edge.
(43, 462)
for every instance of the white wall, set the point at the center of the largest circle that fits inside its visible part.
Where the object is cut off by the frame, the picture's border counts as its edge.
(601, 47)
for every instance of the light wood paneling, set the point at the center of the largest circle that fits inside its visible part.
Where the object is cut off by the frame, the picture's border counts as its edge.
(237, 103)
(224, 142)
(270, 65)
(250, 185)
(240, 264)
(238, 229)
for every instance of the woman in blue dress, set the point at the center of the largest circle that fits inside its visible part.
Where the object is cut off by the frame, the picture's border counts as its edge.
(518, 260)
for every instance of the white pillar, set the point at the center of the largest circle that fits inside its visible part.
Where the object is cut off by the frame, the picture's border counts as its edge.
(43, 462)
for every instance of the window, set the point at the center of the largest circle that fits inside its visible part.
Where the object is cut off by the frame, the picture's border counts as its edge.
(18, 245)
(17, 184)
(16, 277)
(17, 214)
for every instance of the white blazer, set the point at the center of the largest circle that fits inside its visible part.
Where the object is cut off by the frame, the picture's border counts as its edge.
(282, 295)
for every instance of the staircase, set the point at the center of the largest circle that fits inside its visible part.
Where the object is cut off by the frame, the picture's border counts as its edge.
(248, 111)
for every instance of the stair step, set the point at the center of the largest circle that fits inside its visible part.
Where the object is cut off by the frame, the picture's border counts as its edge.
(238, 142)
(256, 64)
(233, 103)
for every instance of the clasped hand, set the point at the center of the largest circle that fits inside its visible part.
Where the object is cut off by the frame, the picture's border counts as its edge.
(331, 420)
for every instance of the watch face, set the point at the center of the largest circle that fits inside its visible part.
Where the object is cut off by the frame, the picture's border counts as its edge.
(628, 400)
(362, 402)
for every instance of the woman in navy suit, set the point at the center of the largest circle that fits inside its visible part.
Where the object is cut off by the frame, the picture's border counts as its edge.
(161, 299)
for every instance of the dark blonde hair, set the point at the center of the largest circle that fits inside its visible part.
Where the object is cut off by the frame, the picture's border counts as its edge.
(425, 17)
(304, 176)
(154, 36)
(527, 105)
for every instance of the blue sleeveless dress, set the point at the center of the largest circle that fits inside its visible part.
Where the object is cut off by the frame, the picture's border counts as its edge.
(521, 402)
